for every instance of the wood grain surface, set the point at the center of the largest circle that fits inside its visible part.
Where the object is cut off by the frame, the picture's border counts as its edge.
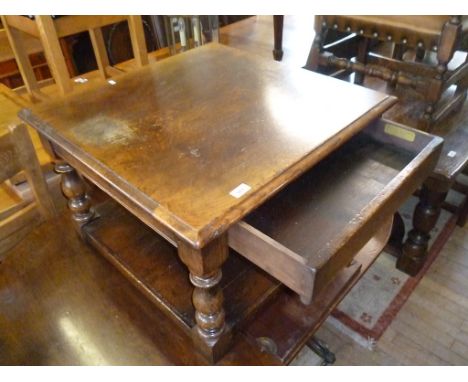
(177, 137)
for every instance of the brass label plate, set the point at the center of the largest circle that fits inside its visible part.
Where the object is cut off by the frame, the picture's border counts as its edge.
(400, 132)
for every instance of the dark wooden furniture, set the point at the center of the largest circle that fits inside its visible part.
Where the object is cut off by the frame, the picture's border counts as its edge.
(422, 58)
(453, 160)
(209, 163)
(356, 43)
(278, 21)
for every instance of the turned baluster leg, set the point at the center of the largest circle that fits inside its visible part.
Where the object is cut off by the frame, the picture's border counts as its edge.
(74, 189)
(397, 54)
(425, 217)
(210, 334)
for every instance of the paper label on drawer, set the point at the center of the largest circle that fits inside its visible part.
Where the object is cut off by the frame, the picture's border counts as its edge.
(240, 190)
(400, 132)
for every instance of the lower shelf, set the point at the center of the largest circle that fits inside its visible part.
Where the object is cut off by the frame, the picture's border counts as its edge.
(153, 266)
(256, 304)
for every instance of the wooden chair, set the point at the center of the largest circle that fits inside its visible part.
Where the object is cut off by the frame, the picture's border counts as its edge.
(9, 72)
(423, 48)
(50, 31)
(17, 154)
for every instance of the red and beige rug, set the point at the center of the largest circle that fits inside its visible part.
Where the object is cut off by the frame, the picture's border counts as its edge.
(376, 299)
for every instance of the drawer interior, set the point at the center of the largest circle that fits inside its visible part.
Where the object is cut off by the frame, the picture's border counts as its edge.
(313, 228)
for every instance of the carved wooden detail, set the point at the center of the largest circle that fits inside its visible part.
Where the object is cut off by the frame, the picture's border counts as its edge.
(205, 275)
(74, 189)
(425, 217)
(391, 76)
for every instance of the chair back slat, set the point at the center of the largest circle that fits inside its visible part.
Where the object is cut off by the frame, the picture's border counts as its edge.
(27, 158)
(9, 163)
(17, 154)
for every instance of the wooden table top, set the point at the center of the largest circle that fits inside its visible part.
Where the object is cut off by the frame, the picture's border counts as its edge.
(202, 138)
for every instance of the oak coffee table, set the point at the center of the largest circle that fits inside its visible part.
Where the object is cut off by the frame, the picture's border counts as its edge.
(240, 191)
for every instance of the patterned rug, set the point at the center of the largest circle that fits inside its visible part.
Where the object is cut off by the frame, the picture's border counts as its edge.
(375, 300)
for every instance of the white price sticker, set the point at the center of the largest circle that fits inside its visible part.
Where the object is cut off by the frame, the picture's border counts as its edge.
(240, 190)
(80, 80)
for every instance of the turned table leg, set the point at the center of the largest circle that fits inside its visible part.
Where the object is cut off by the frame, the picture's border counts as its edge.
(425, 217)
(210, 334)
(74, 189)
(462, 218)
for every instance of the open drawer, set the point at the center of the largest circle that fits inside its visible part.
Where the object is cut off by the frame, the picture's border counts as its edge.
(313, 228)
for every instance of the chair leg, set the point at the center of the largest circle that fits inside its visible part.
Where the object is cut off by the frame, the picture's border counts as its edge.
(451, 33)
(316, 48)
(427, 119)
(432, 96)
(363, 49)
(420, 53)
(278, 35)
(398, 51)
(397, 54)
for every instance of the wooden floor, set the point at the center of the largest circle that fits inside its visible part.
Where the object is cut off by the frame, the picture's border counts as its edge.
(62, 303)
(431, 328)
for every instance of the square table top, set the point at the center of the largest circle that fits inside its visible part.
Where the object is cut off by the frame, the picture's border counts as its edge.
(198, 140)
